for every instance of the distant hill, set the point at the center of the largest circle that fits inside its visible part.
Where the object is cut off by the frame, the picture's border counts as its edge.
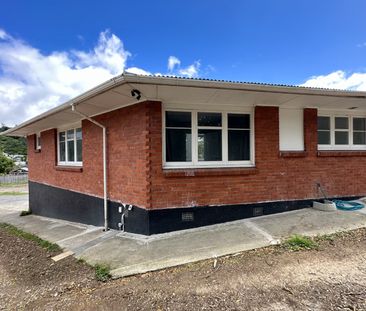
(12, 145)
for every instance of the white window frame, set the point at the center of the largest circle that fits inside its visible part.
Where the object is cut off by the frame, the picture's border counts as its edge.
(38, 141)
(332, 145)
(66, 162)
(194, 143)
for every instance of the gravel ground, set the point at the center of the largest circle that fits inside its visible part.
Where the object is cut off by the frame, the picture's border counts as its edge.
(333, 277)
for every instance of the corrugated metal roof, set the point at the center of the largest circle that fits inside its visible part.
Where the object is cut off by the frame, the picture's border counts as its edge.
(244, 82)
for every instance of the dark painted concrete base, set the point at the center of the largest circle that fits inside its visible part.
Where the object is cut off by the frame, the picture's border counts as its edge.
(64, 204)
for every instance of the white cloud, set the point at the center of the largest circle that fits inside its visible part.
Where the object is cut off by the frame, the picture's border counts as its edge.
(339, 80)
(174, 67)
(173, 62)
(191, 71)
(32, 82)
(138, 71)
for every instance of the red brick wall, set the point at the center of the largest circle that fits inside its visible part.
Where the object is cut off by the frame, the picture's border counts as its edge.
(275, 177)
(136, 176)
(127, 156)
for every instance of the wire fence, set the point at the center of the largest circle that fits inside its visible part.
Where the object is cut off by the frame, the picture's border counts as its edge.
(20, 178)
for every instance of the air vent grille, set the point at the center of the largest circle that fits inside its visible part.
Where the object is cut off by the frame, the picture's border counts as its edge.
(258, 211)
(187, 216)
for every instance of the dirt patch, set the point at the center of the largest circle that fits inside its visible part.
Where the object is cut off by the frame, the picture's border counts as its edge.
(27, 273)
(332, 277)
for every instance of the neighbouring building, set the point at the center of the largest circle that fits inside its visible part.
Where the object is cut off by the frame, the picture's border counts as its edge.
(152, 154)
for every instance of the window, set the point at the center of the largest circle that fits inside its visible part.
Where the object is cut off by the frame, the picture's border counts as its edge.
(359, 131)
(324, 130)
(341, 132)
(178, 136)
(207, 139)
(38, 141)
(209, 136)
(239, 137)
(70, 147)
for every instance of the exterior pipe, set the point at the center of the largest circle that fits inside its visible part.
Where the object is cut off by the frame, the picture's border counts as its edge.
(104, 162)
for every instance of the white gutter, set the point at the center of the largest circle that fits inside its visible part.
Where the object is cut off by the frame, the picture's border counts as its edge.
(104, 163)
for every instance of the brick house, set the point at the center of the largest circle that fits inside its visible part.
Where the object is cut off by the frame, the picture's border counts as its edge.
(149, 154)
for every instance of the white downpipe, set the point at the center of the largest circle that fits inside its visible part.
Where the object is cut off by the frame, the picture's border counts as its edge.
(104, 163)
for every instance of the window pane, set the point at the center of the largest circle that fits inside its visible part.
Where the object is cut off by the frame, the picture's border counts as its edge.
(38, 140)
(79, 134)
(359, 138)
(239, 145)
(238, 121)
(323, 123)
(323, 137)
(209, 145)
(178, 145)
(62, 151)
(341, 138)
(61, 136)
(341, 123)
(359, 124)
(70, 134)
(177, 119)
(209, 119)
(79, 150)
(70, 151)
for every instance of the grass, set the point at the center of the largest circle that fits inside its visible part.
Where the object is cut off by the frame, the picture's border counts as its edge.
(29, 236)
(25, 213)
(13, 184)
(300, 242)
(102, 272)
(13, 193)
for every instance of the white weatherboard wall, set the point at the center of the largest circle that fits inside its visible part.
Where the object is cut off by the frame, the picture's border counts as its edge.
(291, 129)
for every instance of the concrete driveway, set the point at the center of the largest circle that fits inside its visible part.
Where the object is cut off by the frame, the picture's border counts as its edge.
(129, 254)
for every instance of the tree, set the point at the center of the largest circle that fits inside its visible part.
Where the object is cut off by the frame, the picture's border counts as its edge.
(12, 145)
(6, 164)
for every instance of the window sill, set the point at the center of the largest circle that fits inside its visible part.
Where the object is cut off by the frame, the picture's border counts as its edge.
(293, 154)
(341, 153)
(37, 150)
(197, 172)
(69, 168)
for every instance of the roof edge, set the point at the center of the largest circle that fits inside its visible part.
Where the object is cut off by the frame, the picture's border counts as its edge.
(118, 80)
(127, 77)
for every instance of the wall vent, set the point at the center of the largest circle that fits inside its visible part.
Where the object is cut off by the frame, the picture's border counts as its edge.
(187, 216)
(258, 211)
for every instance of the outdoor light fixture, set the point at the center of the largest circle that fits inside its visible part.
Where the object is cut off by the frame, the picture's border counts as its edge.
(136, 93)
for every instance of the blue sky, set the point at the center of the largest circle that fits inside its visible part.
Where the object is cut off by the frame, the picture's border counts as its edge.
(265, 41)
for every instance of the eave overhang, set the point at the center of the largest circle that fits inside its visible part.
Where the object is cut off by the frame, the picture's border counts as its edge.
(116, 93)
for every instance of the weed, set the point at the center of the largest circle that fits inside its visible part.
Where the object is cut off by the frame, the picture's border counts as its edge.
(102, 272)
(29, 236)
(25, 213)
(299, 242)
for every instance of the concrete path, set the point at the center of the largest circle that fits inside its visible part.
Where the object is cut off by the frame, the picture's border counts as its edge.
(129, 254)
